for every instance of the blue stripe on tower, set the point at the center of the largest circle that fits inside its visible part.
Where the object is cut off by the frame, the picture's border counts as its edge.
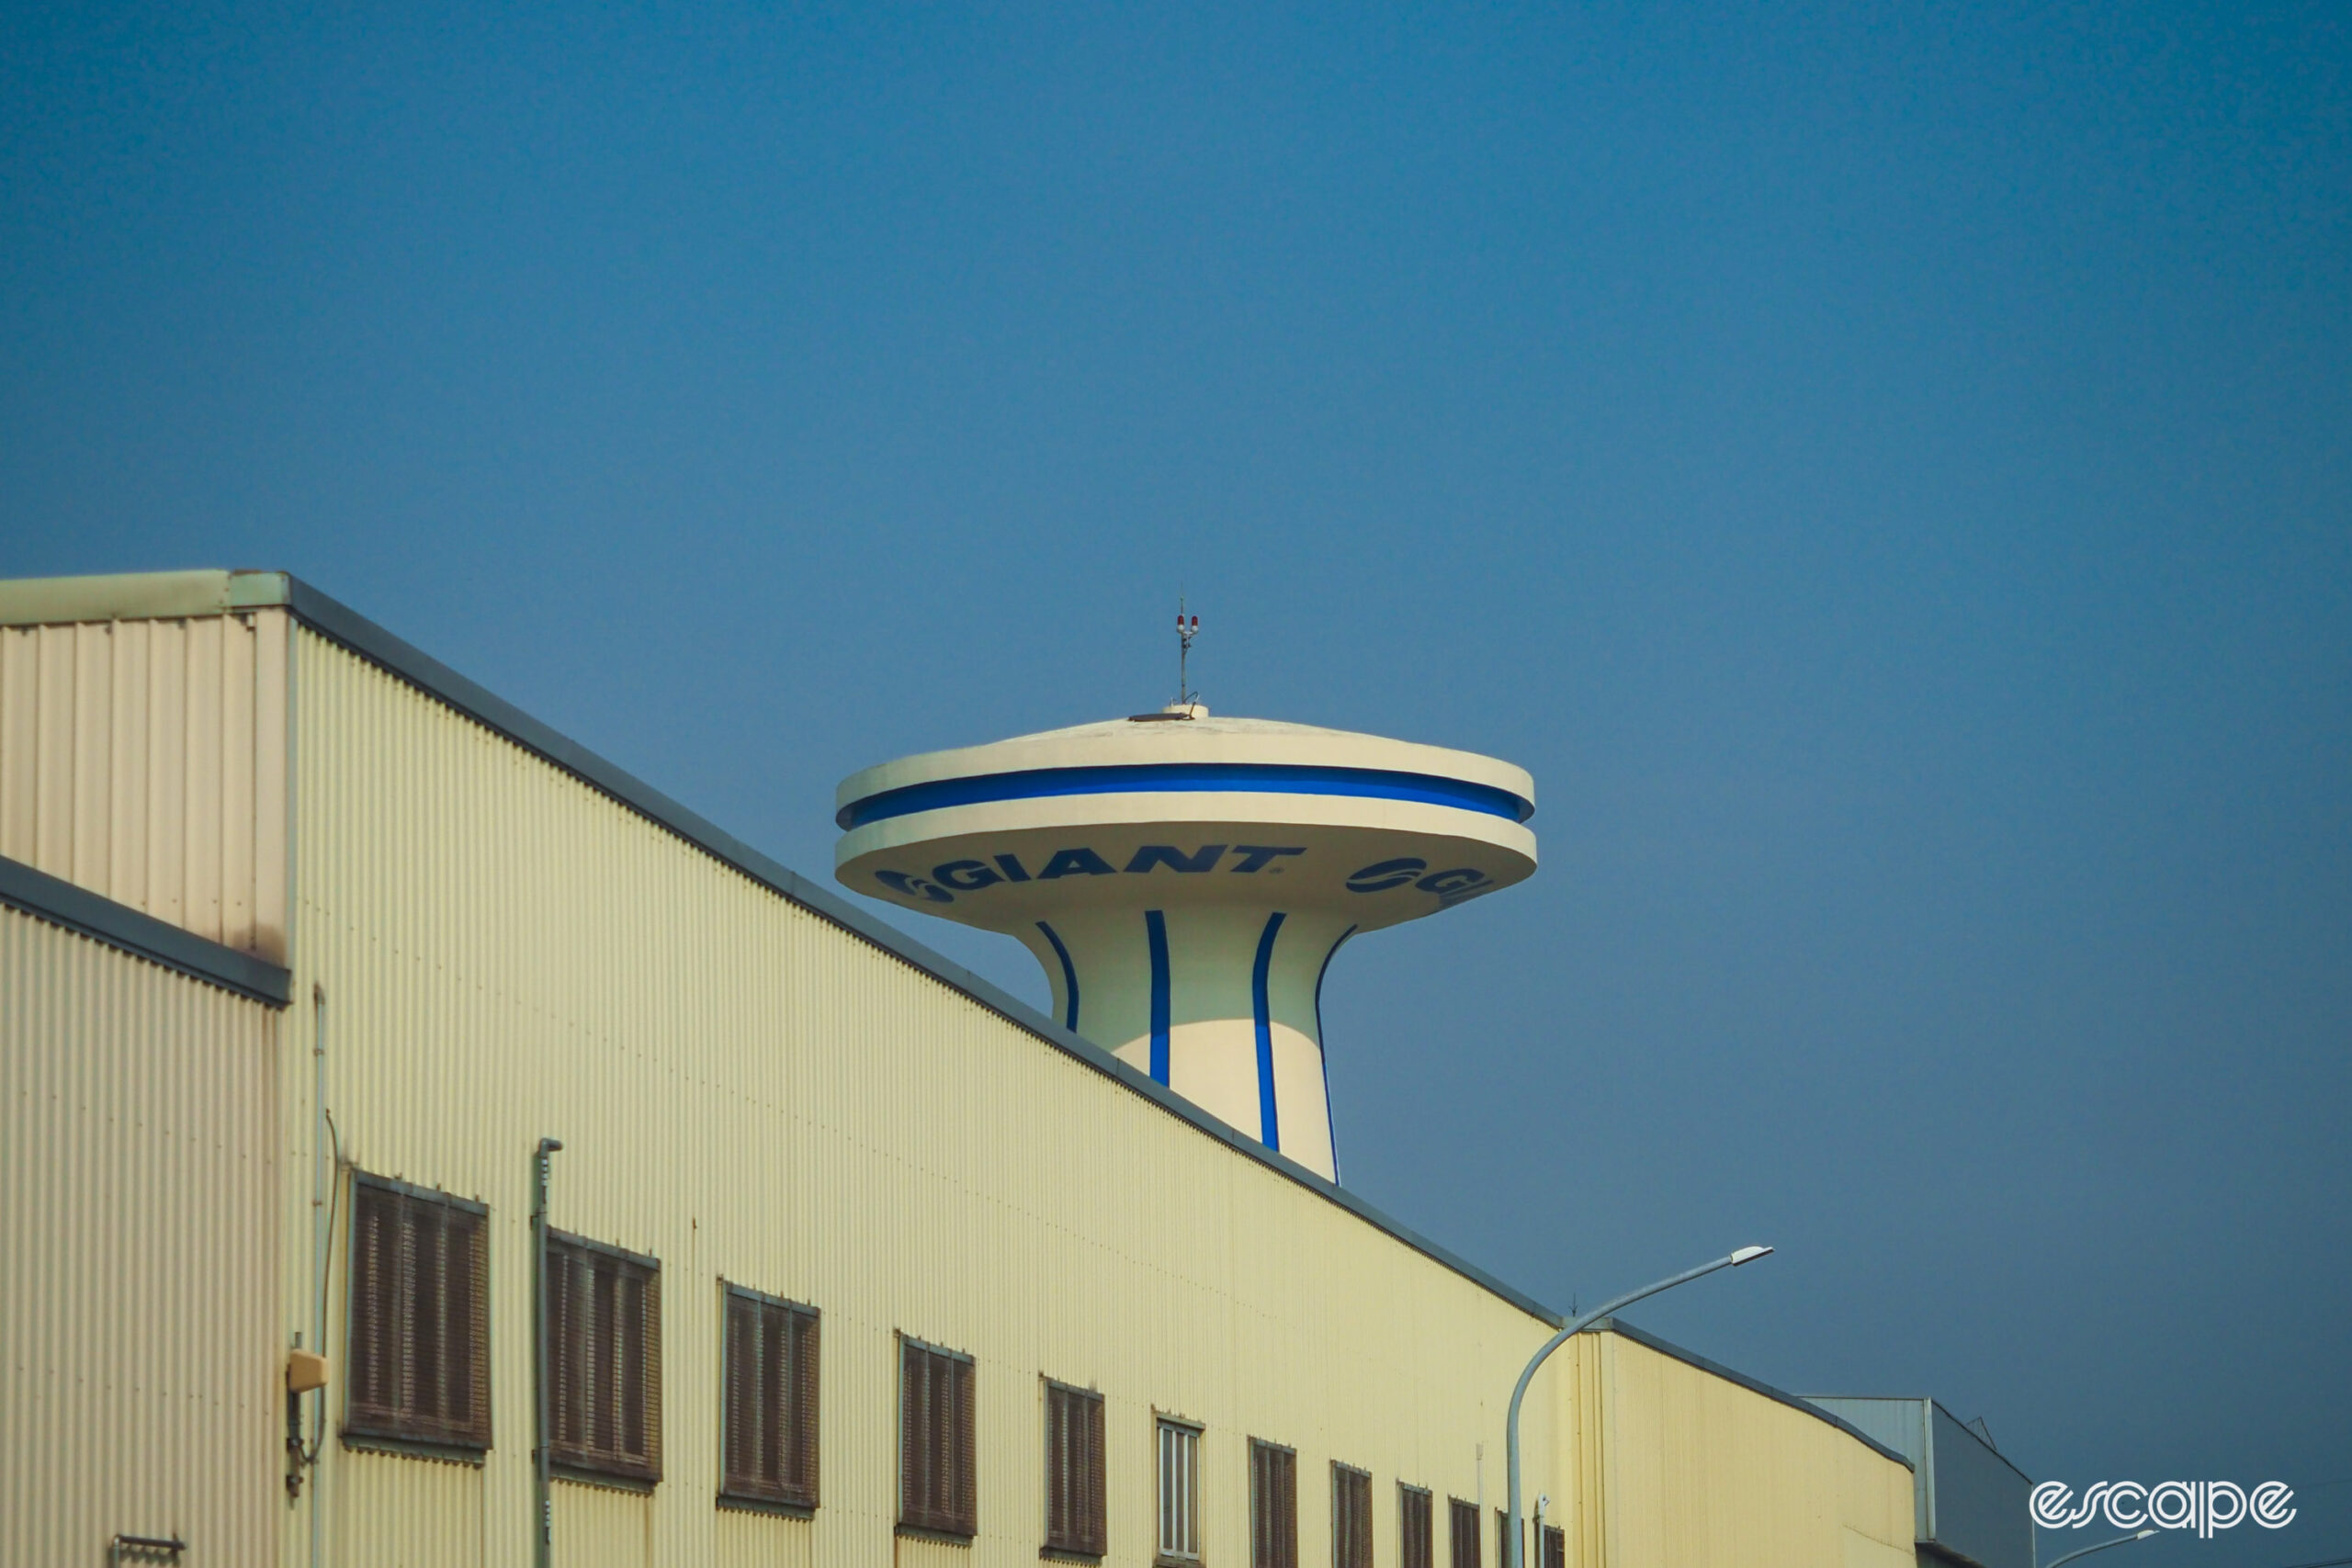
(1269, 1132)
(1160, 778)
(1070, 977)
(1155, 925)
(1321, 1051)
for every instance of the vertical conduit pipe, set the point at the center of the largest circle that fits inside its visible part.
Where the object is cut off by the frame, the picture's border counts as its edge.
(543, 1523)
(322, 1173)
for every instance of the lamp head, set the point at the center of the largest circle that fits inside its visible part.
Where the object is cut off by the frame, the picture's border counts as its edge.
(1749, 1254)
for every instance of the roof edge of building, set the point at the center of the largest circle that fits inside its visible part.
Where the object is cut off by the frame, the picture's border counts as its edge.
(1642, 1336)
(152, 595)
(1986, 1443)
(138, 596)
(1931, 1403)
(76, 909)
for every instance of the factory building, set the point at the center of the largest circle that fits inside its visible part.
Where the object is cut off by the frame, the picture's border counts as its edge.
(427, 1143)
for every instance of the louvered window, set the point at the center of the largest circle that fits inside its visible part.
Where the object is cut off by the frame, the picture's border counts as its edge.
(420, 1317)
(1416, 1546)
(1274, 1506)
(1556, 1546)
(1074, 1500)
(1463, 1533)
(1351, 1518)
(771, 1432)
(605, 1355)
(937, 1490)
(1179, 1492)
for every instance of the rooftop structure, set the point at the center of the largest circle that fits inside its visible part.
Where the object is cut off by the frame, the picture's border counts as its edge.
(1185, 880)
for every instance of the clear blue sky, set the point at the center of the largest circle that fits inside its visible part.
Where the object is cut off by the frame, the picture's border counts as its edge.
(1886, 472)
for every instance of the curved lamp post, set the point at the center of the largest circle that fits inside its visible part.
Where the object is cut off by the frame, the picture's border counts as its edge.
(2102, 1546)
(1516, 1547)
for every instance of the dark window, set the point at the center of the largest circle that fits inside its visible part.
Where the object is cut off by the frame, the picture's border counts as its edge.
(1556, 1546)
(1351, 1518)
(936, 1491)
(1074, 1503)
(1463, 1533)
(771, 1432)
(1274, 1506)
(1415, 1531)
(420, 1317)
(605, 1356)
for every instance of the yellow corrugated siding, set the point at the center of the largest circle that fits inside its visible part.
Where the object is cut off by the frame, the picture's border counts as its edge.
(1696, 1468)
(440, 1505)
(146, 761)
(600, 1527)
(1582, 1511)
(139, 1378)
(747, 1092)
(763, 1540)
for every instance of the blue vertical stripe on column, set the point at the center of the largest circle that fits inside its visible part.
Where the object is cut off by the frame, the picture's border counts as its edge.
(1325, 1054)
(1069, 977)
(1155, 925)
(1269, 1131)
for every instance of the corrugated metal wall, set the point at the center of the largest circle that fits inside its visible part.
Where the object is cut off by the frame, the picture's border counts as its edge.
(146, 761)
(1901, 1425)
(1981, 1501)
(1971, 1500)
(748, 1092)
(140, 1379)
(1581, 1509)
(1693, 1469)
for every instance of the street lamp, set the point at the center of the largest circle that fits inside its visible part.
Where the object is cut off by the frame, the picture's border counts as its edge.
(1517, 1547)
(2102, 1546)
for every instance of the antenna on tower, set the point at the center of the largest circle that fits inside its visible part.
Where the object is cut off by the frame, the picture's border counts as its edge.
(1185, 632)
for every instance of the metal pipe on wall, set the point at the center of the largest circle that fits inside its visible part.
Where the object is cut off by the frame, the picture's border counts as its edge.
(322, 1175)
(543, 1525)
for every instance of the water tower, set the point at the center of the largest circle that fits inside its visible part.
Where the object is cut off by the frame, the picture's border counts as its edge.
(1185, 879)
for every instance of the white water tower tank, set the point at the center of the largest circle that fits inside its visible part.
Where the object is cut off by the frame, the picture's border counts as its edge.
(1184, 881)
